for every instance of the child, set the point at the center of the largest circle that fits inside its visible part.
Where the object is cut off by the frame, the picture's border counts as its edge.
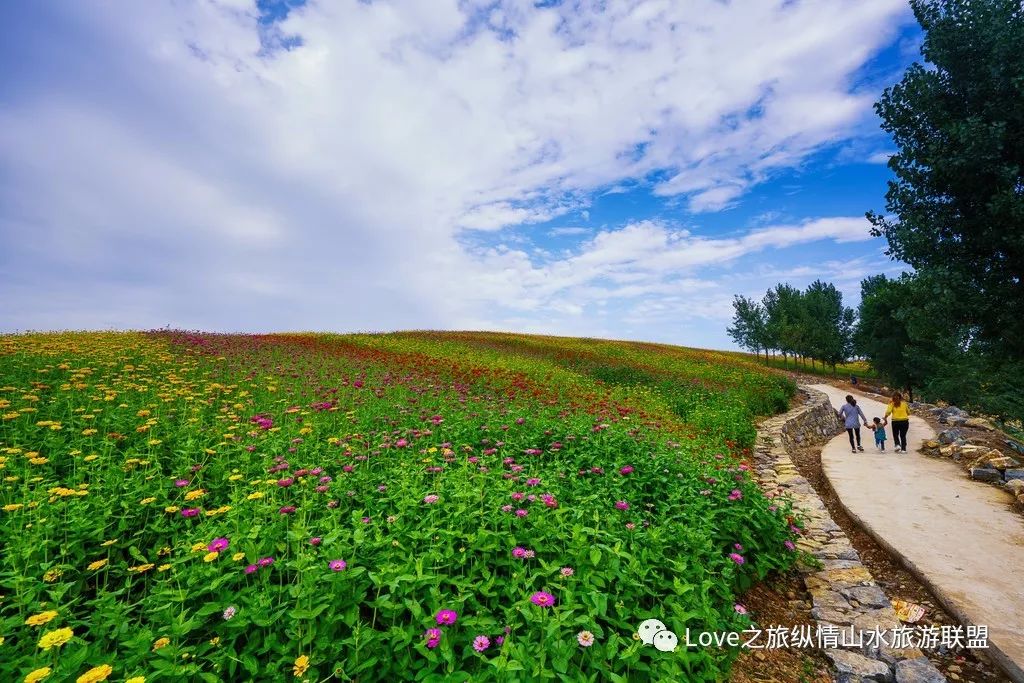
(879, 429)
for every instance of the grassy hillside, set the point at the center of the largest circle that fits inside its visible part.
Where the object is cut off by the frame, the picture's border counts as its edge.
(426, 506)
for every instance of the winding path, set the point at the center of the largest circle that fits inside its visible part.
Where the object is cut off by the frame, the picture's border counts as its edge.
(959, 537)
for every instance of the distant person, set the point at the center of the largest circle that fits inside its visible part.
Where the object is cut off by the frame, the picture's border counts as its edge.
(900, 412)
(849, 414)
(878, 427)
(853, 380)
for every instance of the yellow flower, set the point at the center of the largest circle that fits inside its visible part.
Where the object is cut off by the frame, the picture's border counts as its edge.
(90, 458)
(98, 564)
(171, 509)
(136, 679)
(196, 547)
(39, 461)
(141, 568)
(55, 638)
(237, 557)
(252, 496)
(12, 507)
(192, 495)
(109, 543)
(163, 567)
(234, 477)
(41, 618)
(95, 674)
(146, 501)
(37, 675)
(166, 550)
(301, 665)
(161, 642)
(88, 432)
(215, 640)
(211, 556)
(52, 575)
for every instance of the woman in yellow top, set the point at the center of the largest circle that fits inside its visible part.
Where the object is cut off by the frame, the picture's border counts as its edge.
(900, 412)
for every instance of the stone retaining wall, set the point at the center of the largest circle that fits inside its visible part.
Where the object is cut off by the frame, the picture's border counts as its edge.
(845, 597)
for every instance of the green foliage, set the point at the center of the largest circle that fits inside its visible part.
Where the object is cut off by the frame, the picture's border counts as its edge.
(106, 439)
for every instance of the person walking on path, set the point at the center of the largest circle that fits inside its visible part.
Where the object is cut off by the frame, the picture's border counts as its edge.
(849, 414)
(900, 412)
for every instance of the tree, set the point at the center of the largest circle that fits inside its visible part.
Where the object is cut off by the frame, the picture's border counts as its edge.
(829, 324)
(956, 206)
(749, 325)
(784, 319)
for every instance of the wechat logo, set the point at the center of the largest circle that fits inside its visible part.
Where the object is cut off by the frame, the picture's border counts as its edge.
(653, 632)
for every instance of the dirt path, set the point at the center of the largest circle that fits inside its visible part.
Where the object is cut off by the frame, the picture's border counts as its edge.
(959, 537)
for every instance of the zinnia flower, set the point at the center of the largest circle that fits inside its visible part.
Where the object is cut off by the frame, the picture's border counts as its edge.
(301, 665)
(229, 613)
(737, 558)
(337, 565)
(481, 643)
(161, 642)
(447, 616)
(740, 609)
(736, 494)
(585, 638)
(621, 505)
(190, 512)
(628, 469)
(55, 638)
(789, 545)
(431, 499)
(542, 599)
(41, 618)
(38, 675)
(95, 674)
(218, 545)
(567, 571)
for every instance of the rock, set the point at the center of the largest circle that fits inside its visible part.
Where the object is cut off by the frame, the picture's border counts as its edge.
(918, 670)
(1015, 446)
(854, 667)
(931, 444)
(871, 596)
(995, 459)
(956, 436)
(981, 423)
(986, 474)
(1013, 475)
(1015, 486)
(1020, 498)
(951, 451)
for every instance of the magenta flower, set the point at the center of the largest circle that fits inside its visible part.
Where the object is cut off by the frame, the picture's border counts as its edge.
(190, 512)
(251, 568)
(519, 551)
(481, 643)
(737, 547)
(402, 443)
(621, 505)
(737, 558)
(431, 499)
(542, 599)
(181, 482)
(218, 545)
(447, 617)
(736, 494)
(789, 545)
(316, 540)
(337, 565)
(265, 561)
(432, 633)
(628, 469)
(286, 482)
(521, 513)
(517, 496)
(287, 510)
(533, 481)
(433, 642)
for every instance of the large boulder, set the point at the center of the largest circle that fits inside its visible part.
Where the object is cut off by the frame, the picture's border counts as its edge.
(950, 436)
(953, 416)
(918, 670)
(986, 474)
(980, 423)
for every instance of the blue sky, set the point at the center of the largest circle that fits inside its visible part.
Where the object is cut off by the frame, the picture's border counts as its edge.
(600, 169)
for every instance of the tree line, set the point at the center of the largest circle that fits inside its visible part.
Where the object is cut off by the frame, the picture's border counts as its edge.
(807, 325)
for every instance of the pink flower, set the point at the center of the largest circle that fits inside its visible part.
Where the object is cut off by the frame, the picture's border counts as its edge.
(621, 505)
(337, 565)
(402, 443)
(251, 568)
(521, 513)
(519, 551)
(628, 469)
(736, 494)
(737, 558)
(737, 546)
(542, 599)
(740, 609)
(265, 562)
(529, 554)
(286, 482)
(585, 638)
(630, 526)
(431, 499)
(517, 495)
(287, 510)
(218, 545)
(567, 571)
(447, 617)
(481, 643)
(181, 482)
(190, 512)
(316, 540)
(533, 481)
(789, 545)
(432, 633)
(506, 508)
(229, 613)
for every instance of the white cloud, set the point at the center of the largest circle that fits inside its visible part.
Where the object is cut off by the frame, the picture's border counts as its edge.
(880, 158)
(183, 174)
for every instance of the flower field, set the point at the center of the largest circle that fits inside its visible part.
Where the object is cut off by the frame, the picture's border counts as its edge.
(413, 506)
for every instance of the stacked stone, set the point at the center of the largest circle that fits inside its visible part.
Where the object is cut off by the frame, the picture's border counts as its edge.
(843, 592)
